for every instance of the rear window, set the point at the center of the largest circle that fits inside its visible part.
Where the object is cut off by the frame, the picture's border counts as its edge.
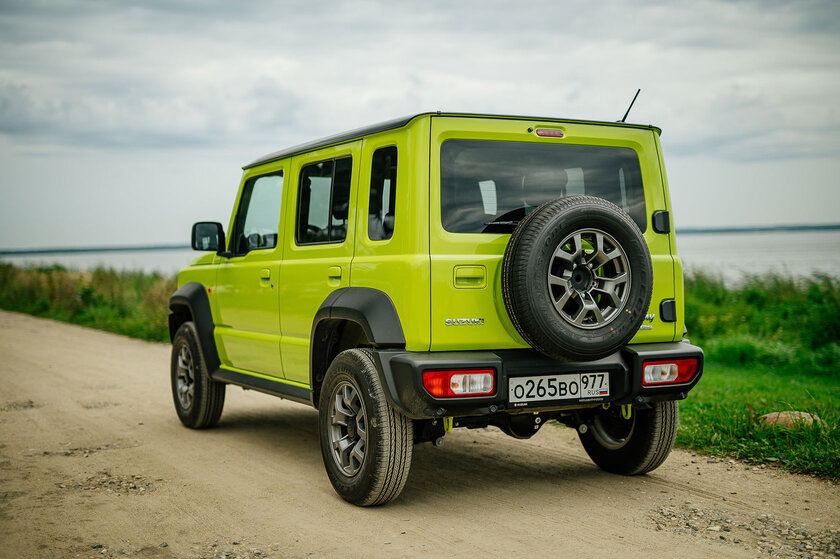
(489, 186)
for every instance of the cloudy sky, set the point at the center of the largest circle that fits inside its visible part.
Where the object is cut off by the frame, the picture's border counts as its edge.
(125, 122)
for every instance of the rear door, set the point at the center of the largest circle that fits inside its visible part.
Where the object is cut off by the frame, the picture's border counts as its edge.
(318, 245)
(487, 173)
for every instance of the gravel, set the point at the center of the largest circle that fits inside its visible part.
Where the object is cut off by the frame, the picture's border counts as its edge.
(765, 533)
(19, 405)
(116, 484)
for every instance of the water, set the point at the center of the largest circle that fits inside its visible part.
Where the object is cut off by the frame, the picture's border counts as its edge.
(731, 255)
(163, 261)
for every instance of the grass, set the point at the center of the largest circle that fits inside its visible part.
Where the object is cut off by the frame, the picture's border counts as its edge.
(129, 303)
(772, 343)
(772, 320)
(721, 416)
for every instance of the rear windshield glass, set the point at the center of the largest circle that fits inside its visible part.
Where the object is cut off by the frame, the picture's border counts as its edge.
(488, 186)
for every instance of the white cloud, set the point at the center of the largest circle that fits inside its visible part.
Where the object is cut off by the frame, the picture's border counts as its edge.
(197, 85)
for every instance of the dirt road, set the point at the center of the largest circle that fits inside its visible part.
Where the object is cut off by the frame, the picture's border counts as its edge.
(94, 463)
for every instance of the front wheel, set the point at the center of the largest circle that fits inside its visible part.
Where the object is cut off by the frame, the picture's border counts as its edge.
(366, 444)
(634, 445)
(198, 398)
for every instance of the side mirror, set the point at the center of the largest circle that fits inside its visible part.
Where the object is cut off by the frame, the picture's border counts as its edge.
(208, 236)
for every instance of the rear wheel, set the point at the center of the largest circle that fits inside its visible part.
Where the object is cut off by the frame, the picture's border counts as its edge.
(198, 398)
(366, 444)
(633, 445)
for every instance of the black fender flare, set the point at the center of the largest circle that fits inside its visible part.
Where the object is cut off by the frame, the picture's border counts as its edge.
(192, 297)
(370, 308)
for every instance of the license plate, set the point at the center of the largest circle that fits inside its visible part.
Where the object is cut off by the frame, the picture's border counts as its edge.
(558, 387)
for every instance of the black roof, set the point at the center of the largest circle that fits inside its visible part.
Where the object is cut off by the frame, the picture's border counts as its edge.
(402, 121)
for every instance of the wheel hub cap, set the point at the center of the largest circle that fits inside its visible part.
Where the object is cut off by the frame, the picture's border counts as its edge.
(348, 428)
(185, 378)
(589, 278)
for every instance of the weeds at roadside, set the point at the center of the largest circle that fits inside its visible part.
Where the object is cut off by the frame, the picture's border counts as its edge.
(129, 303)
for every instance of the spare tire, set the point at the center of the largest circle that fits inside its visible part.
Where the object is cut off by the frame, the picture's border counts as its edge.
(577, 278)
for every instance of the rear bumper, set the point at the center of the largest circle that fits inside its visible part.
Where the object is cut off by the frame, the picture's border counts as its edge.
(401, 374)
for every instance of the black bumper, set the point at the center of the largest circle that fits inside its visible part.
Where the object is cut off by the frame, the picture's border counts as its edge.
(402, 378)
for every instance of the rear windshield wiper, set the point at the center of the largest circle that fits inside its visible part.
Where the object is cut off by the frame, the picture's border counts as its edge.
(506, 222)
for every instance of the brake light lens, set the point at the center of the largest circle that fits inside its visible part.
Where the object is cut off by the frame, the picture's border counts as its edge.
(460, 383)
(678, 371)
(550, 133)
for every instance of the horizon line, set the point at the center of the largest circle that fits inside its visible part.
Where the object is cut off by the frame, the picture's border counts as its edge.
(171, 246)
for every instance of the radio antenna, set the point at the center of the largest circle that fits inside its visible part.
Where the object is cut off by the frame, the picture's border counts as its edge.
(630, 107)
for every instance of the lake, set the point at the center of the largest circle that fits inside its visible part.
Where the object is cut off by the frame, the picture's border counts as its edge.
(731, 255)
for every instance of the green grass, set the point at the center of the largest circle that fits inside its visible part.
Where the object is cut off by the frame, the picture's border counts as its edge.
(721, 416)
(129, 303)
(771, 320)
(772, 343)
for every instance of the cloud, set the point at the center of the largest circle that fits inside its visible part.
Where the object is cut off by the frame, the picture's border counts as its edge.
(736, 79)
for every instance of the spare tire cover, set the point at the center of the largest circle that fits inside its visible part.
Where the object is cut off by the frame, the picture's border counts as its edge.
(577, 278)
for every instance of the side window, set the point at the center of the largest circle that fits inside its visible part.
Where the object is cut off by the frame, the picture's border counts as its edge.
(383, 188)
(258, 218)
(323, 201)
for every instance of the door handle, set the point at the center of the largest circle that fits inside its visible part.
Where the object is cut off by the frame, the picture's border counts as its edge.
(334, 272)
(265, 274)
(470, 277)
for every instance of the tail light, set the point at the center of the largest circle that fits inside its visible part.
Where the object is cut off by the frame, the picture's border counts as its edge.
(460, 383)
(678, 371)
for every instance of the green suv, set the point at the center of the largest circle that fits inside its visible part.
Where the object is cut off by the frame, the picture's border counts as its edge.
(446, 270)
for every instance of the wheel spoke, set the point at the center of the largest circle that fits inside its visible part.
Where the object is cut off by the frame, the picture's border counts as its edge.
(609, 287)
(342, 408)
(588, 306)
(593, 307)
(557, 280)
(561, 302)
(577, 244)
(600, 256)
(357, 455)
(340, 416)
(343, 446)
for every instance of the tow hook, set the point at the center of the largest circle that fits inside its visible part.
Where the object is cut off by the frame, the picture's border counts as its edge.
(626, 411)
(447, 428)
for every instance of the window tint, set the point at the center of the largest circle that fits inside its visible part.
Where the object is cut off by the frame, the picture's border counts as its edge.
(323, 201)
(258, 218)
(383, 187)
(488, 186)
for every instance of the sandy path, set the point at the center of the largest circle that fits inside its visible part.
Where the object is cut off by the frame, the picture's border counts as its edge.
(92, 454)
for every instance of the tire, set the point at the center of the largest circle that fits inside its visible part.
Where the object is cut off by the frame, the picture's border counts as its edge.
(373, 468)
(577, 278)
(632, 446)
(198, 398)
